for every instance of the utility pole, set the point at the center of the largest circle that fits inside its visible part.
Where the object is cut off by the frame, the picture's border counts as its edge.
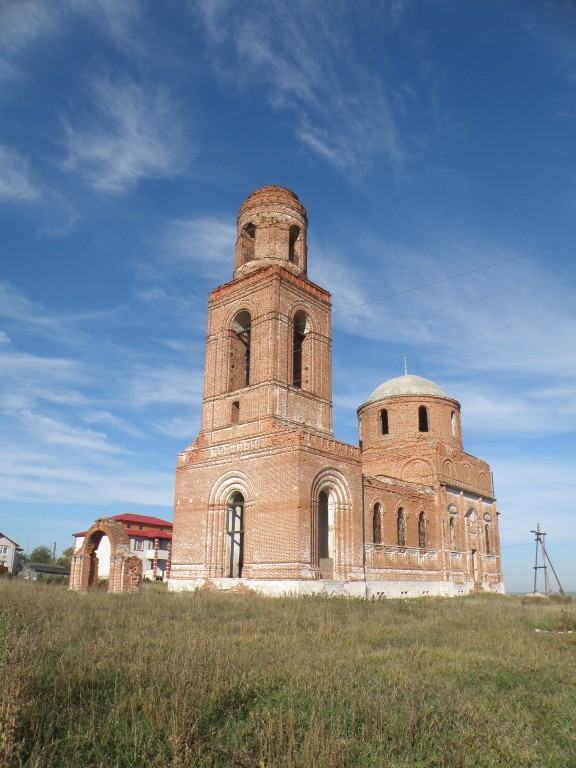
(541, 545)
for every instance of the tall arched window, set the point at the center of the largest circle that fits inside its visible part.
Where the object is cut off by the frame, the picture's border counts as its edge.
(235, 536)
(487, 537)
(423, 418)
(248, 242)
(240, 350)
(323, 526)
(294, 234)
(384, 421)
(452, 533)
(401, 528)
(377, 524)
(300, 351)
(421, 531)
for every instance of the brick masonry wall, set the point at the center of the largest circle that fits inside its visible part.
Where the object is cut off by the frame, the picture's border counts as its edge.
(271, 441)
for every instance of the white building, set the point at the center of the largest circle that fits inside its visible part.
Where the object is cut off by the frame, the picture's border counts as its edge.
(9, 555)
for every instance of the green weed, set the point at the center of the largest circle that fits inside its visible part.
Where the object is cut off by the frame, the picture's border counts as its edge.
(203, 679)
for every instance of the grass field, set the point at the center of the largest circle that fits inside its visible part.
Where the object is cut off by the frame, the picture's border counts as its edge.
(159, 679)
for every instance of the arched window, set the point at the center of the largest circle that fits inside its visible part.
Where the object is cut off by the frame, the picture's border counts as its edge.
(423, 418)
(377, 524)
(401, 528)
(323, 526)
(453, 423)
(294, 235)
(300, 351)
(235, 536)
(384, 421)
(248, 242)
(452, 533)
(487, 537)
(240, 351)
(326, 533)
(421, 531)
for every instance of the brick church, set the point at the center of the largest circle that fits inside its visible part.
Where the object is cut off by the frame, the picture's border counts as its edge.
(267, 499)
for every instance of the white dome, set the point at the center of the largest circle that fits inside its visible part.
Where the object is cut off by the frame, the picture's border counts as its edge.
(406, 385)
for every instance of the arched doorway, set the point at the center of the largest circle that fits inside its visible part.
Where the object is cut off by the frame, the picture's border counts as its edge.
(235, 536)
(326, 534)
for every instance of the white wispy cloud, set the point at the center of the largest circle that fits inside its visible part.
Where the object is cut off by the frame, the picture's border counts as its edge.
(27, 23)
(65, 329)
(345, 113)
(204, 244)
(15, 182)
(22, 22)
(126, 132)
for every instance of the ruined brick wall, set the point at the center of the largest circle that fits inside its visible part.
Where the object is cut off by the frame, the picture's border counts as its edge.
(280, 476)
(265, 476)
(427, 457)
(125, 573)
(403, 421)
(272, 296)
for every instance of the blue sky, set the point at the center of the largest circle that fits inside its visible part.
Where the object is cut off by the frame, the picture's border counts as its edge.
(432, 144)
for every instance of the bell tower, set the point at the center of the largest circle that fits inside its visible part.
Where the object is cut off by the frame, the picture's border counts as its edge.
(268, 350)
(265, 494)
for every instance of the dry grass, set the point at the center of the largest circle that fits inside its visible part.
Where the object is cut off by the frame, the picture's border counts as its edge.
(220, 680)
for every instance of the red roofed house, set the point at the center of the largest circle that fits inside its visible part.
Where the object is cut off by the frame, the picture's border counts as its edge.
(150, 540)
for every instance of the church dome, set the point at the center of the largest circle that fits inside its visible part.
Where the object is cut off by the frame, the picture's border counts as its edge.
(406, 385)
(271, 231)
(272, 195)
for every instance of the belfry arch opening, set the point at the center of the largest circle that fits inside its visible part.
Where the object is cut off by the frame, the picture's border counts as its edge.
(301, 351)
(240, 341)
(293, 245)
(235, 536)
(248, 242)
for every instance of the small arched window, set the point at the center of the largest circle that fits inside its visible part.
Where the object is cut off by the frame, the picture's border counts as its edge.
(294, 235)
(421, 531)
(300, 351)
(248, 242)
(377, 524)
(401, 528)
(423, 418)
(452, 533)
(453, 423)
(240, 334)
(487, 537)
(384, 421)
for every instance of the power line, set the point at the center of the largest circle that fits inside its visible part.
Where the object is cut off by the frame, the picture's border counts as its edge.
(454, 277)
(334, 312)
(484, 298)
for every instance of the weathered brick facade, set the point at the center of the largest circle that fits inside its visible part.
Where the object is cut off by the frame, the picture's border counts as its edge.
(267, 499)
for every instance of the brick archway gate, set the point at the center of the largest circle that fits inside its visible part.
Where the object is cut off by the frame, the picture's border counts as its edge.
(125, 568)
